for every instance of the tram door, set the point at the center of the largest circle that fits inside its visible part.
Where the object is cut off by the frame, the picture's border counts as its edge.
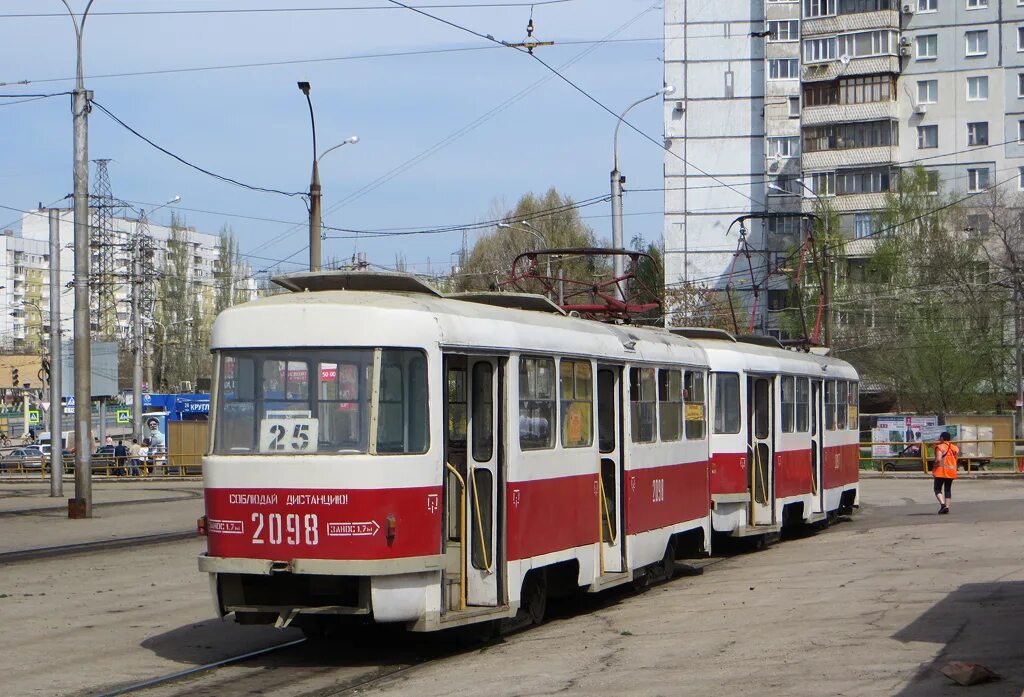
(759, 449)
(609, 437)
(817, 453)
(475, 450)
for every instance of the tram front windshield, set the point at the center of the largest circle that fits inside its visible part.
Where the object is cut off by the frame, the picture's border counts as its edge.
(321, 401)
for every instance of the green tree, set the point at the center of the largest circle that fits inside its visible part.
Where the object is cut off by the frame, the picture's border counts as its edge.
(554, 222)
(648, 282)
(920, 313)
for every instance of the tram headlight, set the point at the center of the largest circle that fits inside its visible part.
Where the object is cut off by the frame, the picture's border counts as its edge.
(390, 528)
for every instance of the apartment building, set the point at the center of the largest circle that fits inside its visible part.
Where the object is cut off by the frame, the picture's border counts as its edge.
(25, 283)
(780, 103)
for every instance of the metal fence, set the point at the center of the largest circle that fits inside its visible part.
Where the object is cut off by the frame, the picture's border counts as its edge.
(976, 456)
(157, 467)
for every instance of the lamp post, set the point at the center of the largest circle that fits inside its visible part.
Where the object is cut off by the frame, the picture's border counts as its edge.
(81, 505)
(138, 345)
(617, 180)
(315, 222)
(163, 337)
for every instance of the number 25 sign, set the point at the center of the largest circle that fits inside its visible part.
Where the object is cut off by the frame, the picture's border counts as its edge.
(289, 435)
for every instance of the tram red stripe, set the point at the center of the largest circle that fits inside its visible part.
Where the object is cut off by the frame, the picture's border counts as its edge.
(728, 473)
(657, 497)
(547, 515)
(349, 523)
(793, 473)
(841, 465)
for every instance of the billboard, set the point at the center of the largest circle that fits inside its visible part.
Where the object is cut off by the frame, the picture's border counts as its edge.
(900, 430)
(104, 368)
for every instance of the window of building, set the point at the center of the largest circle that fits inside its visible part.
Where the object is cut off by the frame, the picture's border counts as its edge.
(847, 136)
(670, 404)
(777, 299)
(927, 91)
(693, 396)
(855, 6)
(794, 107)
(927, 137)
(862, 90)
(727, 402)
(642, 404)
(1020, 178)
(787, 146)
(818, 50)
(823, 93)
(788, 403)
(823, 183)
(784, 30)
(977, 42)
(1020, 84)
(784, 225)
(537, 410)
(863, 225)
(783, 69)
(927, 5)
(977, 224)
(785, 185)
(880, 42)
(976, 4)
(1020, 130)
(863, 182)
(928, 47)
(819, 8)
(977, 133)
(977, 88)
(977, 179)
(932, 181)
(577, 386)
(1020, 38)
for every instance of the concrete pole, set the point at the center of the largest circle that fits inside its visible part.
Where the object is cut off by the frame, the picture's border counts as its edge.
(56, 408)
(137, 344)
(618, 261)
(314, 219)
(81, 505)
(1018, 353)
(25, 395)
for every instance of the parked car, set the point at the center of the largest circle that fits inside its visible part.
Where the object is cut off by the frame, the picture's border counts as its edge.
(910, 460)
(21, 458)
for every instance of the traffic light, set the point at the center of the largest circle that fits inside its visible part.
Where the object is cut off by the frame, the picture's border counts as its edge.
(14, 377)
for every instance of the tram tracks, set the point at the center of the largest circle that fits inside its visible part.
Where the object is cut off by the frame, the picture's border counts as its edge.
(188, 495)
(37, 553)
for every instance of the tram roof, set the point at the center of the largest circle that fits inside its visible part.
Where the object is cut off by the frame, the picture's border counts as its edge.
(412, 318)
(726, 354)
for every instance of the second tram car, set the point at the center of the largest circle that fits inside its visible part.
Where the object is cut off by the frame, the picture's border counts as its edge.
(384, 452)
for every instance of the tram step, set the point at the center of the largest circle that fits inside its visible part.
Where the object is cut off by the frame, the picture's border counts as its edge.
(815, 518)
(753, 530)
(609, 580)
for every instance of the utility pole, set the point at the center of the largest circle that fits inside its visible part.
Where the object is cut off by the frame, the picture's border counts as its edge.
(137, 343)
(81, 505)
(56, 408)
(1018, 352)
(314, 219)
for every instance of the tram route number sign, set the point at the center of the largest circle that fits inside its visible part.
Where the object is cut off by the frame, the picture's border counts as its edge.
(289, 435)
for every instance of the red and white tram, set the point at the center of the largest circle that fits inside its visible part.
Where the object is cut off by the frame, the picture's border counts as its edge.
(381, 450)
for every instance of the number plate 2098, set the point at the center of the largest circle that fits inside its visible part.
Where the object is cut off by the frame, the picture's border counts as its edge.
(289, 435)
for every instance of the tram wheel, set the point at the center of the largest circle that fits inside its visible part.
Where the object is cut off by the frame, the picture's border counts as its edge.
(535, 596)
(667, 568)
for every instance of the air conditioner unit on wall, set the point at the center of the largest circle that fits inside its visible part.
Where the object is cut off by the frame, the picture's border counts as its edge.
(904, 50)
(908, 9)
(904, 41)
(921, 109)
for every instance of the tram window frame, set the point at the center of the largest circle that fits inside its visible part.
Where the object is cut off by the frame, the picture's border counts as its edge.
(787, 399)
(830, 405)
(727, 416)
(695, 394)
(803, 405)
(483, 412)
(535, 402)
(576, 393)
(643, 405)
(670, 405)
(853, 422)
(842, 402)
(456, 381)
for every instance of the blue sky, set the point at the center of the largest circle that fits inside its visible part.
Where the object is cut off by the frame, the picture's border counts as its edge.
(252, 124)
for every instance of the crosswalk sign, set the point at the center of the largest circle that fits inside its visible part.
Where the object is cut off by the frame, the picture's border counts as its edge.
(124, 416)
(33, 416)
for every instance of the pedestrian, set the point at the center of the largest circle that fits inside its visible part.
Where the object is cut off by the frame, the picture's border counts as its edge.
(144, 456)
(121, 458)
(944, 471)
(135, 458)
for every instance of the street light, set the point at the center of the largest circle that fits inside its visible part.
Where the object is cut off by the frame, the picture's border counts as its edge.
(617, 181)
(315, 222)
(163, 335)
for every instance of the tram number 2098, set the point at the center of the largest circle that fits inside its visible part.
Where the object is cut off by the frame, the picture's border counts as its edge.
(290, 528)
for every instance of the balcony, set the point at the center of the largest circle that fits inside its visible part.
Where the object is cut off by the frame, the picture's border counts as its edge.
(849, 203)
(856, 21)
(874, 65)
(852, 157)
(849, 113)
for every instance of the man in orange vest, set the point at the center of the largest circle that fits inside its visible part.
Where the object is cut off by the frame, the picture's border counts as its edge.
(944, 470)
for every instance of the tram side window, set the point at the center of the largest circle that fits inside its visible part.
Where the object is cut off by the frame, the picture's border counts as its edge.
(402, 403)
(830, 405)
(788, 403)
(670, 404)
(458, 407)
(693, 395)
(803, 405)
(483, 412)
(841, 404)
(536, 403)
(727, 402)
(854, 422)
(577, 386)
(642, 404)
(237, 424)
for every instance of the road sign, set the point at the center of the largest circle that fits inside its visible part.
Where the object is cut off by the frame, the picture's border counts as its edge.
(33, 416)
(124, 416)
